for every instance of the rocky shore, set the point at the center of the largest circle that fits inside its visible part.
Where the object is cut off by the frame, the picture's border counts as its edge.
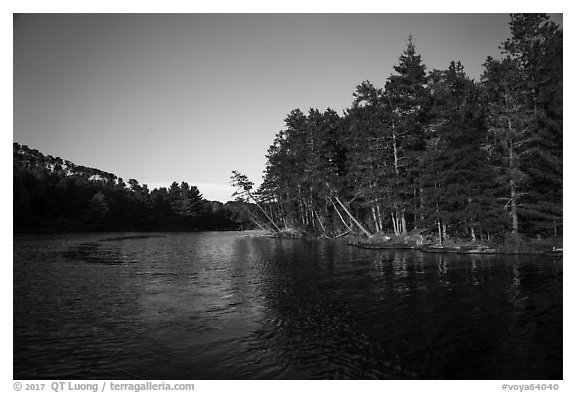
(415, 240)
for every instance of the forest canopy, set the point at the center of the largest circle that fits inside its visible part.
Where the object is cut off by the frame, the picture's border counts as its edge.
(433, 150)
(52, 195)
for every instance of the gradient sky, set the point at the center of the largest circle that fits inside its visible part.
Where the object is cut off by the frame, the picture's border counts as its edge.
(190, 97)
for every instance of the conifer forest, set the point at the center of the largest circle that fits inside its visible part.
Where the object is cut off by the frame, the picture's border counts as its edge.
(431, 150)
(55, 195)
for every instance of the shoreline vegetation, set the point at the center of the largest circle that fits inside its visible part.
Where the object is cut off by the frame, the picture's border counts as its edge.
(416, 240)
(433, 160)
(53, 195)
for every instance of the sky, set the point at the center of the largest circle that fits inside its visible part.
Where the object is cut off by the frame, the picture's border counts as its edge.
(191, 97)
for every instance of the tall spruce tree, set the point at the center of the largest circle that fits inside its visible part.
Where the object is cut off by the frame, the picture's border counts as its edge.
(408, 100)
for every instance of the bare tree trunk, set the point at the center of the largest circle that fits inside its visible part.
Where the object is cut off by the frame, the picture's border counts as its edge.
(270, 210)
(375, 218)
(421, 205)
(513, 196)
(352, 217)
(377, 226)
(379, 216)
(395, 151)
(438, 215)
(404, 230)
(340, 215)
(394, 224)
(300, 205)
(400, 222)
(311, 209)
(470, 219)
(342, 234)
(513, 207)
(264, 211)
(257, 223)
(319, 220)
(253, 219)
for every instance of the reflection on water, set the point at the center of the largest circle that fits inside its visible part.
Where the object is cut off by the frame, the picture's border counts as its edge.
(227, 306)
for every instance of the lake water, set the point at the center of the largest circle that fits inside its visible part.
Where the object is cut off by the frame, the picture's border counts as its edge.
(227, 306)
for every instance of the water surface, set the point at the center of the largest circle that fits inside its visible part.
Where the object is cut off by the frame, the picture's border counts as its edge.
(227, 306)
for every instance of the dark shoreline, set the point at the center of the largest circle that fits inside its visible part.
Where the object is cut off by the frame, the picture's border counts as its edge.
(525, 247)
(450, 250)
(511, 244)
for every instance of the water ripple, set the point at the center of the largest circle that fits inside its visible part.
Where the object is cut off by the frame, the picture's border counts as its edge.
(226, 306)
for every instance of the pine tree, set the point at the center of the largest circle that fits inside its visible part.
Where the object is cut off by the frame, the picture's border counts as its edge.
(524, 101)
(408, 100)
(536, 45)
(244, 192)
(457, 175)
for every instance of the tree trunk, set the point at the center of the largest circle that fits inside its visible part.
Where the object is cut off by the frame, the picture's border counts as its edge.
(513, 195)
(513, 207)
(340, 215)
(511, 165)
(471, 219)
(379, 216)
(404, 230)
(319, 220)
(421, 205)
(394, 226)
(302, 218)
(253, 219)
(259, 225)
(438, 214)
(352, 217)
(395, 151)
(271, 211)
(312, 219)
(375, 218)
(264, 211)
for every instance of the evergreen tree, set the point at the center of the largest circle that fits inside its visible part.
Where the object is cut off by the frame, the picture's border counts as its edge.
(536, 45)
(408, 100)
(457, 176)
(524, 100)
(51, 194)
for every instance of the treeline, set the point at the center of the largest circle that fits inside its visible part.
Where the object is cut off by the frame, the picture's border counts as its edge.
(436, 151)
(52, 194)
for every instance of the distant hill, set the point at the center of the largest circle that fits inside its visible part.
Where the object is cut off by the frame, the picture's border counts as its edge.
(28, 158)
(53, 194)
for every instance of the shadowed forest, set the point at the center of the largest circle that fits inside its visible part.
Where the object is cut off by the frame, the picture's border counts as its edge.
(433, 151)
(55, 195)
